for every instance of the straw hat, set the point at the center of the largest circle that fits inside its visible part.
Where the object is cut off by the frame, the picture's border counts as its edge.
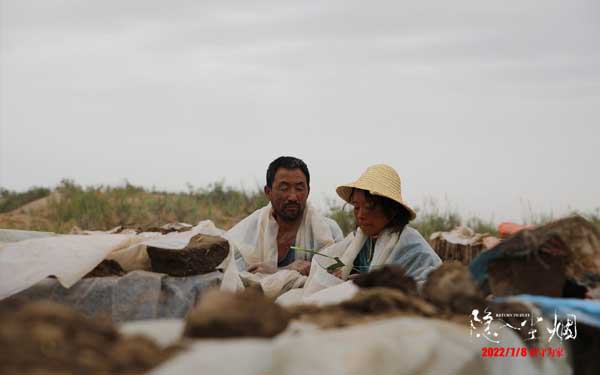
(379, 179)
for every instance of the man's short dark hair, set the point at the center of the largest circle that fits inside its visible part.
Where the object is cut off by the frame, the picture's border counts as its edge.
(287, 162)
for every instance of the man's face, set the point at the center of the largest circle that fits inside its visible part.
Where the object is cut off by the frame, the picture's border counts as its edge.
(288, 194)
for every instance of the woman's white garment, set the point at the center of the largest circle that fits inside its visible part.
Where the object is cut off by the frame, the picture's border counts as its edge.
(408, 250)
(257, 235)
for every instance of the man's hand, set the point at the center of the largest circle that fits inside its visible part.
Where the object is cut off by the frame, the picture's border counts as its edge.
(338, 273)
(263, 267)
(302, 266)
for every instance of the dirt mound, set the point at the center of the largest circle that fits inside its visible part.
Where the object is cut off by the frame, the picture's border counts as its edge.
(449, 293)
(164, 229)
(202, 255)
(30, 216)
(366, 306)
(382, 300)
(540, 274)
(107, 267)
(44, 337)
(37, 205)
(389, 277)
(451, 287)
(247, 314)
(572, 241)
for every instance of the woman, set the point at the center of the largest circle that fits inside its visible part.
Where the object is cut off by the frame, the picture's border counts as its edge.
(382, 235)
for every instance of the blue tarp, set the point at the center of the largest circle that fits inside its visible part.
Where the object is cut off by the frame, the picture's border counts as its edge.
(587, 311)
(479, 266)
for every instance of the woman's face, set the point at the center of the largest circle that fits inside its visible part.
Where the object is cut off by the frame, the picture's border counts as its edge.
(369, 215)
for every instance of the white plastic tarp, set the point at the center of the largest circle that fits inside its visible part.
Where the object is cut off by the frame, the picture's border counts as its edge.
(332, 295)
(70, 257)
(16, 235)
(164, 332)
(410, 345)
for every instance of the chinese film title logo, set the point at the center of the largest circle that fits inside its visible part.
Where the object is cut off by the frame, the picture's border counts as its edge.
(481, 325)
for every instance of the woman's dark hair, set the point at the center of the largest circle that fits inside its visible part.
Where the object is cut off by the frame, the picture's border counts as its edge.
(287, 162)
(398, 215)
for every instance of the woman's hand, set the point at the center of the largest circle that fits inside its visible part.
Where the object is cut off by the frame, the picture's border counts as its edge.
(338, 273)
(262, 267)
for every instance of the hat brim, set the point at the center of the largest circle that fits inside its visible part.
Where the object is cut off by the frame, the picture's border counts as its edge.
(344, 192)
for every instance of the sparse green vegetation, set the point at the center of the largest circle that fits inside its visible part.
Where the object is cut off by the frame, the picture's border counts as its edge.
(430, 219)
(593, 216)
(11, 200)
(104, 207)
(343, 215)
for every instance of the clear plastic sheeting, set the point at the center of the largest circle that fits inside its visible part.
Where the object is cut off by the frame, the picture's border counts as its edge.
(137, 295)
(16, 235)
(68, 257)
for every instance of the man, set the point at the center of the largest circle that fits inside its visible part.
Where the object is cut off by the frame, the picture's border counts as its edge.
(287, 221)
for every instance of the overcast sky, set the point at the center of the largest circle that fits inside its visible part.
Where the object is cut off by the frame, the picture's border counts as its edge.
(488, 106)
